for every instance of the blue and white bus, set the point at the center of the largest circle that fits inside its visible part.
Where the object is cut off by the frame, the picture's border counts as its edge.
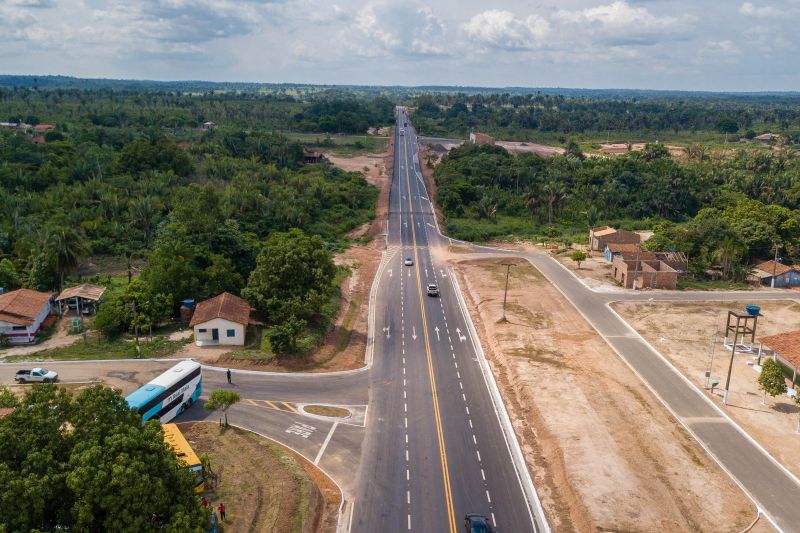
(169, 394)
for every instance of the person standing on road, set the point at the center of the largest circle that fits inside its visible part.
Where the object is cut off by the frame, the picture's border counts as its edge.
(229, 376)
(222, 510)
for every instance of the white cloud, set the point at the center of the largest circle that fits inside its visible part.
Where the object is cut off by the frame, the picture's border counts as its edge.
(750, 10)
(503, 30)
(399, 28)
(621, 24)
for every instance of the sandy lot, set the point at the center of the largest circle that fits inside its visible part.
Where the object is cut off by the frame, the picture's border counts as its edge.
(622, 148)
(604, 453)
(277, 496)
(527, 146)
(683, 332)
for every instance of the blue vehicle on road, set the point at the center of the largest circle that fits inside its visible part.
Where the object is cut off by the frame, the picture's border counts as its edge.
(169, 394)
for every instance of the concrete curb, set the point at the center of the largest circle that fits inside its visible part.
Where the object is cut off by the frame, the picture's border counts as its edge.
(514, 449)
(311, 462)
(658, 396)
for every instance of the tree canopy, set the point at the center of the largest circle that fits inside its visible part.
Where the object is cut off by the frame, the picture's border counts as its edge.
(87, 463)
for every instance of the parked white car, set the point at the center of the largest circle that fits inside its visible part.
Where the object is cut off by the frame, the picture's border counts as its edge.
(37, 375)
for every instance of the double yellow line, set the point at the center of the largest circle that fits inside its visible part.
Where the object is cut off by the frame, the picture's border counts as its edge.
(448, 496)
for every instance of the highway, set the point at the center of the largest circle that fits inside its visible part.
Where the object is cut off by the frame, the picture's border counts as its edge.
(436, 448)
(429, 439)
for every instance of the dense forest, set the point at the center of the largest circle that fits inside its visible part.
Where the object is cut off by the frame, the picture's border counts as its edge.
(724, 212)
(135, 175)
(520, 116)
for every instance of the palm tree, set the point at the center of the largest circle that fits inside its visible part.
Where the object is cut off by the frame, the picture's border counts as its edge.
(65, 250)
(144, 211)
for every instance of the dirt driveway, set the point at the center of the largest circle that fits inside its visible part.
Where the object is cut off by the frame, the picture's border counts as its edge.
(60, 337)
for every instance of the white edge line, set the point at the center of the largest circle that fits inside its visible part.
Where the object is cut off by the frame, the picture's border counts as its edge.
(665, 404)
(325, 443)
(512, 444)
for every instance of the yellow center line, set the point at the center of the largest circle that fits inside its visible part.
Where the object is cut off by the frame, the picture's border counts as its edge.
(439, 431)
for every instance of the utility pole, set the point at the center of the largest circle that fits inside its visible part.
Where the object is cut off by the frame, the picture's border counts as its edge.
(713, 342)
(636, 269)
(505, 292)
(774, 267)
(136, 328)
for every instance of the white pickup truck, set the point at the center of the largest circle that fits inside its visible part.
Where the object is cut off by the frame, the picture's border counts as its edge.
(37, 375)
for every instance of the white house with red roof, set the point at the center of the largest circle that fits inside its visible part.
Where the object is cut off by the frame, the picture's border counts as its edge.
(221, 320)
(22, 313)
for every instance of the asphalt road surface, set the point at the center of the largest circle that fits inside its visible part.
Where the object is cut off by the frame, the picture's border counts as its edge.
(429, 439)
(436, 448)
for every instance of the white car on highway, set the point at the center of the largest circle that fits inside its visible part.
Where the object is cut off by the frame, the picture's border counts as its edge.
(408, 262)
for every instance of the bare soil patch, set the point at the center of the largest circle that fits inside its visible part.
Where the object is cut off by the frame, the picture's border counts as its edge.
(622, 148)
(604, 453)
(683, 333)
(531, 147)
(58, 339)
(263, 485)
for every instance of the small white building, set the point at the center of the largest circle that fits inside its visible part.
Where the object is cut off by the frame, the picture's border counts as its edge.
(222, 320)
(22, 313)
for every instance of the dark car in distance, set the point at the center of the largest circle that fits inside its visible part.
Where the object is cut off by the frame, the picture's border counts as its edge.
(477, 523)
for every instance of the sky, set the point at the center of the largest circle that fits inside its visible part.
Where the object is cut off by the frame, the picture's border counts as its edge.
(716, 45)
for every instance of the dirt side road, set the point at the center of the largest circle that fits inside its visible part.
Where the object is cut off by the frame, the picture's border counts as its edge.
(604, 453)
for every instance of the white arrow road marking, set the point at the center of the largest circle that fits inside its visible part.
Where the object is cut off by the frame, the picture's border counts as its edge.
(409, 273)
(440, 272)
(426, 272)
(436, 329)
(461, 337)
(414, 332)
(417, 223)
(386, 330)
(390, 272)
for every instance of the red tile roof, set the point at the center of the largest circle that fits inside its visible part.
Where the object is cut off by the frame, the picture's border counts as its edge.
(22, 306)
(787, 345)
(225, 306)
(619, 247)
(780, 268)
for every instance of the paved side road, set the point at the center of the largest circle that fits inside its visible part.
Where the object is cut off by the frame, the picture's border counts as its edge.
(773, 488)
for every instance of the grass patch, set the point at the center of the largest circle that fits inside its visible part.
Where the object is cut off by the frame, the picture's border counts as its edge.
(340, 144)
(707, 285)
(327, 410)
(100, 347)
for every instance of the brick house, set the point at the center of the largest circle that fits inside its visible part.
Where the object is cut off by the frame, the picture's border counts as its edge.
(604, 235)
(648, 273)
(481, 138)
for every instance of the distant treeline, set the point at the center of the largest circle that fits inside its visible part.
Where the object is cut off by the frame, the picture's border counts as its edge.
(517, 115)
(725, 213)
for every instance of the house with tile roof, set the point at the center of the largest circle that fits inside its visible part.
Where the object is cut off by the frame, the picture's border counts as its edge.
(600, 237)
(221, 320)
(786, 347)
(22, 313)
(784, 275)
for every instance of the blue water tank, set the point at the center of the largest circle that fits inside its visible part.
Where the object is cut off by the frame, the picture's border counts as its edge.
(752, 310)
(189, 303)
